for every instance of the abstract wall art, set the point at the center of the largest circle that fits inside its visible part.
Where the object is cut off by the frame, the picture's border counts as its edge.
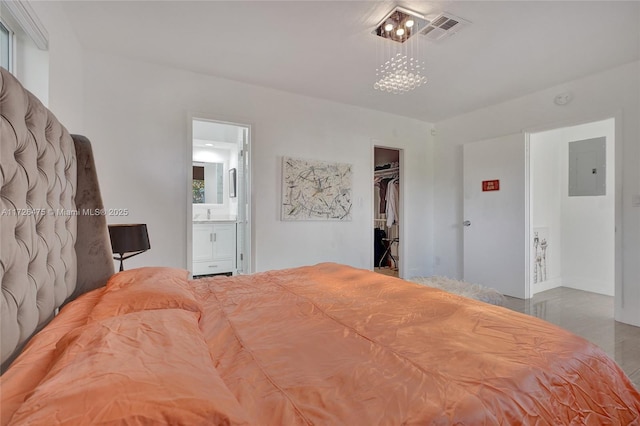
(316, 190)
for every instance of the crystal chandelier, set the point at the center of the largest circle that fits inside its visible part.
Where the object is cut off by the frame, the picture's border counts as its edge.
(402, 71)
(399, 74)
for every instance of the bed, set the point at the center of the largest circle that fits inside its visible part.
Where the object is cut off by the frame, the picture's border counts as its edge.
(320, 344)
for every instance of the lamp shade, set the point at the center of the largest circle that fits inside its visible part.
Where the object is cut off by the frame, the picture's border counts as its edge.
(129, 238)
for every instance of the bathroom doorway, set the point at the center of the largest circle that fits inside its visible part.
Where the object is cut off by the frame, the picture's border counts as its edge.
(218, 205)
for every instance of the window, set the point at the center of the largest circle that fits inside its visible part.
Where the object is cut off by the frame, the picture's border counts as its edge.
(6, 47)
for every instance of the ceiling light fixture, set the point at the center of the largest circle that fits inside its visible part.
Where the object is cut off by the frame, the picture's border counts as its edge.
(400, 18)
(401, 69)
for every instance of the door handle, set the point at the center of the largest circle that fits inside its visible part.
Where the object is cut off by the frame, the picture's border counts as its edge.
(466, 223)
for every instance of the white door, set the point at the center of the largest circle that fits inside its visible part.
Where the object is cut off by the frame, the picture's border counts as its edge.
(496, 228)
(243, 242)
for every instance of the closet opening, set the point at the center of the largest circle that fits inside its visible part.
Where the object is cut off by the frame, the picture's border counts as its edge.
(386, 211)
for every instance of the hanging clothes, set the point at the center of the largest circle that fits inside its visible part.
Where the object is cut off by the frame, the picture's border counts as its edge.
(382, 187)
(392, 202)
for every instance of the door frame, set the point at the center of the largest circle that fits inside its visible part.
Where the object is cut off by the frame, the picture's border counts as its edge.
(188, 222)
(401, 227)
(618, 161)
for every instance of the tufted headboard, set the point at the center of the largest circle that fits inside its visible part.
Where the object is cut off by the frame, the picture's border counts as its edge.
(54, 242)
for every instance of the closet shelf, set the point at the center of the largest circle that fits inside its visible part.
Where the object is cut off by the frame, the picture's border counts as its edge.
(386, 172)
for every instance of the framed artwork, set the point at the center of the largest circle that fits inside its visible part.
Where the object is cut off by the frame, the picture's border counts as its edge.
(316, 190)
(539, 254)
(232, 183)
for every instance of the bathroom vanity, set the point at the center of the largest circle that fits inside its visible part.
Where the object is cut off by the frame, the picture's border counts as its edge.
(214, 247)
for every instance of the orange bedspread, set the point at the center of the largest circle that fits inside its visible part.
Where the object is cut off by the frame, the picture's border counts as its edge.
(325, 345)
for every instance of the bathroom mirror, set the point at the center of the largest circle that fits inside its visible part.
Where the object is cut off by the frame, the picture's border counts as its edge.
(208, 183)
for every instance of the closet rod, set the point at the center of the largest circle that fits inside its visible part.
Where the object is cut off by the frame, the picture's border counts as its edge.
(386, 172)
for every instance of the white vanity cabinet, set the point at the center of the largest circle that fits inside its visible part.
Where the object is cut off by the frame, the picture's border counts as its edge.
(214, 247)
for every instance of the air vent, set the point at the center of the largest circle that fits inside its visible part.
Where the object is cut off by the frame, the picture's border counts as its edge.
(443, 25)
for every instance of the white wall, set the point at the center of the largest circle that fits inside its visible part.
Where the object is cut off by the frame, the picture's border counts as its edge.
(588, 222)
(581, 228)
(32, 67)
(65, 66)
(546, 206)
(614, 92)
(30, 64)
(137, 116)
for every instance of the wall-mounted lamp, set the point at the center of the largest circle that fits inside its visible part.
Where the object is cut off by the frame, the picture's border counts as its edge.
(129, 240)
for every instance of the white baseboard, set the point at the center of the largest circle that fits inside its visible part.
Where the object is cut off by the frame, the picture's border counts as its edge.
(585, 284)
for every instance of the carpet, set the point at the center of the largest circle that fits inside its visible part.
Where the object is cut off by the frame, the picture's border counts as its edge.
(473, 291)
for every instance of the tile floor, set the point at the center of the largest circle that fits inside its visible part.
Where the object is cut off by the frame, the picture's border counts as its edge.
(589, 315)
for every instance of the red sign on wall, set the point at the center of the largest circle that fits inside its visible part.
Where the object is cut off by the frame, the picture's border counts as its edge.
(491, 185)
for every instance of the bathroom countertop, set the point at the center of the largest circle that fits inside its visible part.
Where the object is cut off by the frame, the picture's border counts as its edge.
(212, 220)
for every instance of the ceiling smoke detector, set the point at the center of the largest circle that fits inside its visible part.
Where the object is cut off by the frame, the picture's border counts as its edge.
(443, 25)
(563, 98)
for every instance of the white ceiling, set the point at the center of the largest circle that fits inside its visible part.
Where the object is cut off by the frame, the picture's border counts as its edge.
(325, 49)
